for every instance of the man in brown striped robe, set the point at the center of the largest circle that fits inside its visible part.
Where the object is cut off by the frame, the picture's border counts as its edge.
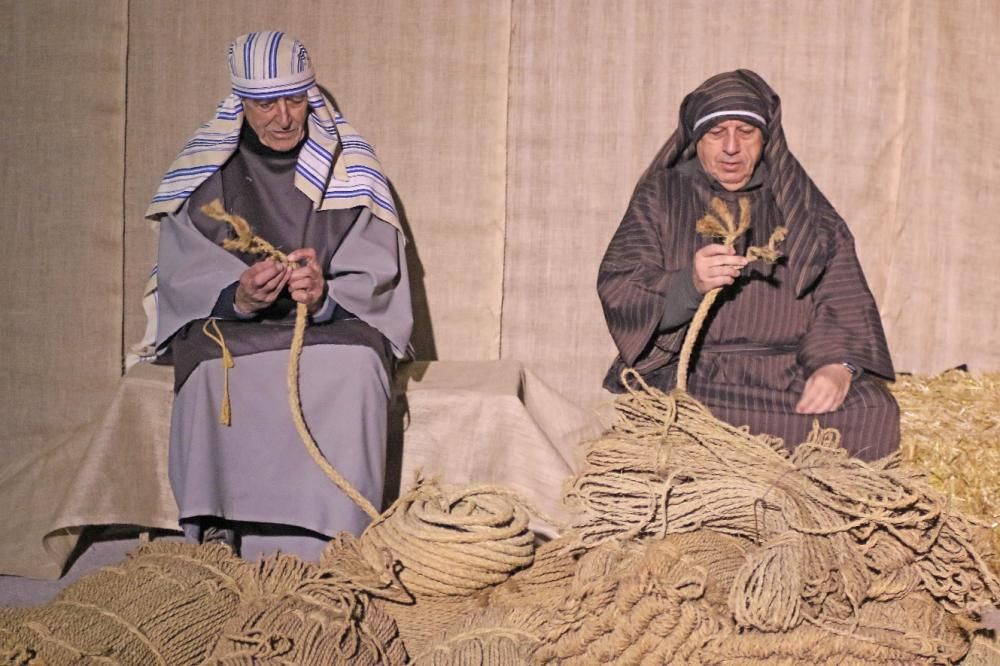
(784, 345)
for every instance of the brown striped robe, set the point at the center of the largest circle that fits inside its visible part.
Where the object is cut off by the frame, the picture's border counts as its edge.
(777, 325)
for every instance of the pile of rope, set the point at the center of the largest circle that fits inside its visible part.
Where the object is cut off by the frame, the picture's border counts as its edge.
(175, 604)
(294, 612)
(165, 604)
(693, 542)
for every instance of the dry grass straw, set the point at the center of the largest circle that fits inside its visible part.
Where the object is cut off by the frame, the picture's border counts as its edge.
(951, 430)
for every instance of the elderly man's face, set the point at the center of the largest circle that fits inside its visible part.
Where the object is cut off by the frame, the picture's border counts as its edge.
(280, 122)
(729, 152)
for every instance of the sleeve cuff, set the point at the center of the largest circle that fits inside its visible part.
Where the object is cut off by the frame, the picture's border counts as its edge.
(225, 305)
(325, 313)
(682, 302)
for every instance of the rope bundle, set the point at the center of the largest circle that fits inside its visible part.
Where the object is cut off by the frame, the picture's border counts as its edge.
(486, 637)
(165, 604)
(630, 604)
(452, 543)
(834, 531)
(297, 613)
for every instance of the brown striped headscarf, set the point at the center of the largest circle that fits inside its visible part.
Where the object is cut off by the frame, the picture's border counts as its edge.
(744, 95)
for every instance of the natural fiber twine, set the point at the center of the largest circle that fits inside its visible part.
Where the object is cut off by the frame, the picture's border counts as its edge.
(176, 604)
(632, 603)
(452, 542)
(724, 551)
(834, 531)
(165, 604)
(429, 621)
(295, 612)
(950, 426)
(693, 543)
(493, 635)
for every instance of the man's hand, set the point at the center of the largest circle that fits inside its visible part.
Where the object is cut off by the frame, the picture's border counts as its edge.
(716, 266)
(260, 285)
(825, 390)
(306, 284)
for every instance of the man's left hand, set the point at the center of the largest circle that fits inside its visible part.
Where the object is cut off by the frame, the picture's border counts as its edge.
(825, 390)
(306, 284)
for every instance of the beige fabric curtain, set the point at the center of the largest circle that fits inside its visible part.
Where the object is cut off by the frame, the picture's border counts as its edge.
(890, 106)
(513, 132)
(62, 145)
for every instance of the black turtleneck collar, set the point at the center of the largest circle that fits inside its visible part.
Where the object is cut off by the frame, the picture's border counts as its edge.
(251, 142)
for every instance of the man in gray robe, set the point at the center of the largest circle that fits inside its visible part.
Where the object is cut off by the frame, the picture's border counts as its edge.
(783, 345)
(278, 154)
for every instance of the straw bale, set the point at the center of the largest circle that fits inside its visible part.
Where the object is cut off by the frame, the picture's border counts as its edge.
(950, 426)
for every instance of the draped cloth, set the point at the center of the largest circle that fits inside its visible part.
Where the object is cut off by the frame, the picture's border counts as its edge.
(772, 329)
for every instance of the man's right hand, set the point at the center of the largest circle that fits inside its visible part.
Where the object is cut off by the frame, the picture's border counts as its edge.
(260, 285)
(716, 265)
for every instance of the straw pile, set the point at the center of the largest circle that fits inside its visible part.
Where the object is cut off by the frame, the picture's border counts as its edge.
(951, 430)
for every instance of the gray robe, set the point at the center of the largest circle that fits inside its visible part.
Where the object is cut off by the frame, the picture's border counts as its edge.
(257, 470)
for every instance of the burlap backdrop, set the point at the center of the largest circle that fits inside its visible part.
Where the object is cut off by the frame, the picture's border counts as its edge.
(513, 133)
(62, 142)
(888, 105)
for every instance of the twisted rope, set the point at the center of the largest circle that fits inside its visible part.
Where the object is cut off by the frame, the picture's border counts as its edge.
(719, 223)
(452, 543)
(835, 531)
(246, 241)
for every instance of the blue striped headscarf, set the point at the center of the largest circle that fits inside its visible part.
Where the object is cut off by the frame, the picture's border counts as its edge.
(337, 167)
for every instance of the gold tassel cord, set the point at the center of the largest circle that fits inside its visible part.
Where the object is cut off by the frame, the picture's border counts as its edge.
(226, 411)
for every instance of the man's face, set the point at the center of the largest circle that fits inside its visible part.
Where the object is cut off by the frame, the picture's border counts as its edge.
(279, 122)
(729, 152)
